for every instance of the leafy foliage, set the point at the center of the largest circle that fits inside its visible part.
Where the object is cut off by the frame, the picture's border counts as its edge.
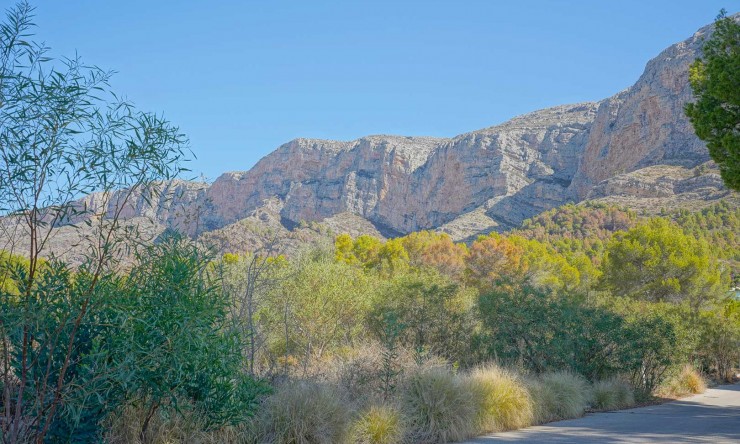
(433, 314)
(173, 339)
(539, 330)
(715, 79)
(657, 262)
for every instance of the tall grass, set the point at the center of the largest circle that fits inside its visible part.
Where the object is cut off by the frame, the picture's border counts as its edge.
(501, 400)
(613, 394)
(686, 382)
(378, 424)
(560, 395)
(438, 407)
(166, 426)
(301, 413)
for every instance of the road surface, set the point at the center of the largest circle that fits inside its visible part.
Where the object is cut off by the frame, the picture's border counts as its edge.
(712, 417)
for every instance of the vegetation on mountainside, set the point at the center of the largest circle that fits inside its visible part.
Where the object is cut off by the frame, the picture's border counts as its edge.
(382, 327)
(715, 79)
(414, 339)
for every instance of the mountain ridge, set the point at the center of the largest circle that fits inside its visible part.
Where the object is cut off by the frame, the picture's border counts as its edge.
(635, 148)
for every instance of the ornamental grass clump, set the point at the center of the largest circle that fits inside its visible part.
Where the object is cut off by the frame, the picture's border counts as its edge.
(502, 401)
(303, 412)
(686, 382)
(438, 406)
(613, 394)
(560, 395)
(378, 424)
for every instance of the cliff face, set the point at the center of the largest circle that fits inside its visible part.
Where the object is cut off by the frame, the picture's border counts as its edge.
(645, 124)
(402, 184)
(635, 148)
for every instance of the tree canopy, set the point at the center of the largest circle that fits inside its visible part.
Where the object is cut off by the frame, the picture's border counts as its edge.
(715, 79)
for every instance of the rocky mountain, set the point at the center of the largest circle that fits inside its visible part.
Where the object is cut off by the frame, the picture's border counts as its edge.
(635, 148)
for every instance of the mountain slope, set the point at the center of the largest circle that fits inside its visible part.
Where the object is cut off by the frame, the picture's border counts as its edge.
(635, 148)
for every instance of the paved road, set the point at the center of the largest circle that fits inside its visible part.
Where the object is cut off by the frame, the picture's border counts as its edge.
(713, 417)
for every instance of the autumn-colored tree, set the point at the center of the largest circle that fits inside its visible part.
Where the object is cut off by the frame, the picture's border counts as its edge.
(344, 249)
(492, 259)
(371, 253)
(392, 257)
(435, 250)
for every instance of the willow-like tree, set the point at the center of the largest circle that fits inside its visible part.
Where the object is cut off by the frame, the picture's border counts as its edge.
(715, 79)
(63, 134)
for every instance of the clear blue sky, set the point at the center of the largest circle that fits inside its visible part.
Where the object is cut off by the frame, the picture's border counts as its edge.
(242, 77)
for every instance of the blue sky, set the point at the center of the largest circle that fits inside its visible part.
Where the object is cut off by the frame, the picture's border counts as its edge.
(242, 77)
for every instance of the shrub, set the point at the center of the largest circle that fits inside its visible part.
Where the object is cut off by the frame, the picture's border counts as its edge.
(438, 407)
(502, 401)
(613, 394)
(175, 331)
(379, 424)
(431, 313)
(303, 412)
(560, 395)
(720, 339)
(660, 337)
(686, 382)
(543, 331)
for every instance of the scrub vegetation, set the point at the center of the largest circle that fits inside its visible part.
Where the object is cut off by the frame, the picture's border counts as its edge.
(414, 339)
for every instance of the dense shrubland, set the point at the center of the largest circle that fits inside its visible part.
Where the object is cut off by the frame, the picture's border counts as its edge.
(414, 339)
(420, 339)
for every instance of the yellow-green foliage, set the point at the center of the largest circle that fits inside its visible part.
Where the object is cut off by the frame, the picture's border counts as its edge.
(9, 265)
(303, 412)
(686, 382)
(502, 401)
(613, 394)
(379, 424)
(438, 407)
(561, 395)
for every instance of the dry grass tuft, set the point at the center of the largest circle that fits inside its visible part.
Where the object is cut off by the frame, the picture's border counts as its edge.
(613, 394)
(438, 407)
(687, 382)
(303, 412)
(124, 427)
(379, 424)
(502, 401)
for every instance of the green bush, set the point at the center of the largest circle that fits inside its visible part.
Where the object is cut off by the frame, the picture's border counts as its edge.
(544, 331)
(661, 336)
(434, 314)
(612, 394)
(438, 407)
(502, 401)
(720, 339)
(175, 344)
